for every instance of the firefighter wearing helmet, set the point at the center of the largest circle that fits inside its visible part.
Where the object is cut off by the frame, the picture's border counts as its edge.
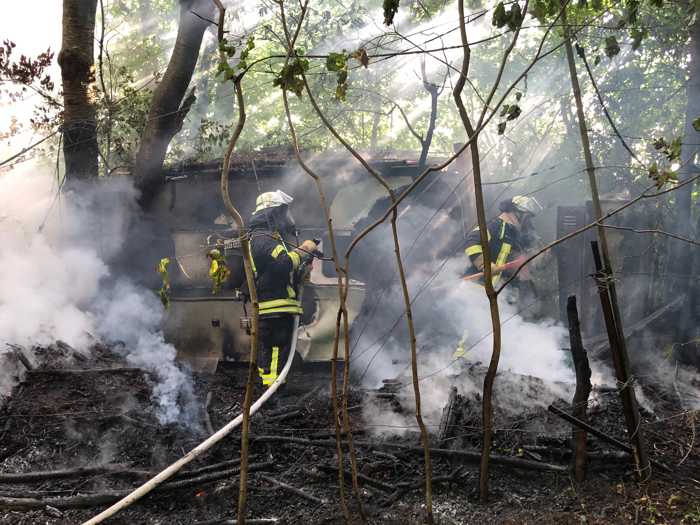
(277, 279)
(509, 235)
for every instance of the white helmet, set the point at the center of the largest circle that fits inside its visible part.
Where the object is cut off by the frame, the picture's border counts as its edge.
(526, 204)
(271, 199)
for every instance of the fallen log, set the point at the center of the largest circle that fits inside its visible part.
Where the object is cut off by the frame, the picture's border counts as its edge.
(249, 521)
(284, 416)
(19, 352)
(466, 455)
(370, 482)
(600, 435)
(104, 498)
(292, 490)
(84, 371)
(30, 477)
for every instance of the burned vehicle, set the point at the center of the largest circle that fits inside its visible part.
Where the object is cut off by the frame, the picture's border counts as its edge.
(208, 328)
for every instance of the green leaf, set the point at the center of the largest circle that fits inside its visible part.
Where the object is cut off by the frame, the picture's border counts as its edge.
(341, 90)
(500, 18)
(612, 48)
(660, 143)
(637, 37)
(656, 3)
(515, 17)
(632, 11)
(391, 7)
(596, 60)
(289, 78)
(539, 11)
(336, 61)
(514, 112)
(696, 124)
(674, 152)
(501, 128)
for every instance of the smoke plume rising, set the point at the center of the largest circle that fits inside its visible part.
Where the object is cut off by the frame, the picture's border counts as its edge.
(56, 282)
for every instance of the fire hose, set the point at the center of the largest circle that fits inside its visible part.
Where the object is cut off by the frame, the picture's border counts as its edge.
(205, 445)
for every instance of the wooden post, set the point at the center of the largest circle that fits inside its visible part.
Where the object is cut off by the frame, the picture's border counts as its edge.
(606, 290)
(583, 388)
(606, 287)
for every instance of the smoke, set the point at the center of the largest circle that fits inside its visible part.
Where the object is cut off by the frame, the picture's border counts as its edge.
(448, 313)
(56, 282)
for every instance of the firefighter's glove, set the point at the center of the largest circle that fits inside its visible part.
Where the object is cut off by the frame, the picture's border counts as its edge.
(307, 249)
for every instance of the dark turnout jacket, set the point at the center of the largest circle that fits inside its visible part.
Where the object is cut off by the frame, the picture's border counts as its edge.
(505, 241)
(275, 269)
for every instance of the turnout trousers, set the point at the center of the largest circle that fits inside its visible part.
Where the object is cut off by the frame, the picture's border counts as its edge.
(274, 344)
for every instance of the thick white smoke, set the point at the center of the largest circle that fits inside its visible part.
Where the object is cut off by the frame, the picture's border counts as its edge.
(55, 280)
(456, 311)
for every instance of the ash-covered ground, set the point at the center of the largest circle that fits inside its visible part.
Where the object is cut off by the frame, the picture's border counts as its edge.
(97, 414)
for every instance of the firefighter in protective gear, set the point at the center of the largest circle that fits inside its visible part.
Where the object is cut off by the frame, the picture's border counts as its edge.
(277, 279)
(509, 235)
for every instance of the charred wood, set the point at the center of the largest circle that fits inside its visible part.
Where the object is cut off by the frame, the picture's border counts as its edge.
(465, 455)
(583, 389)
(600, 435)
(371, 482)
(253, 521)
(19, 352)
(292, 490)
(104, 498)
(30, 477)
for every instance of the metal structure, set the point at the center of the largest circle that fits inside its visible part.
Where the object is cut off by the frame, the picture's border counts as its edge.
(206, 328)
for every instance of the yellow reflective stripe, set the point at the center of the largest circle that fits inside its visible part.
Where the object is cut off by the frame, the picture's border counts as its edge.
(296, 258)
(213, 268)
(283, 310)
(503, 230)
(501, 260)
(274, 303)
(473, 250)
(280, 306)
(274, 361)
(278, 249)
(503, 254)
(291, 293)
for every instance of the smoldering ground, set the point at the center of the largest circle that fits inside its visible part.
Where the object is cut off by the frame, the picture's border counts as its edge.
(56, 281)
(449, 313)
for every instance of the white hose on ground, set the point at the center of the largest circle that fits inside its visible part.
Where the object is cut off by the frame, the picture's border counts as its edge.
(152, 483)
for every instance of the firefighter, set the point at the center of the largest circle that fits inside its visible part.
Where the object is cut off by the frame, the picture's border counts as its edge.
(277, 279)
(510, 234)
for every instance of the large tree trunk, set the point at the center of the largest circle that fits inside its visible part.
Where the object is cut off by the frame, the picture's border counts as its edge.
(168, 109)
(77, 72)
(683, 257)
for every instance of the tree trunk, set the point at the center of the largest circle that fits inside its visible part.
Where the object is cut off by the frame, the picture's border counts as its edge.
(434, 93)
(77, 72)
(434, 90)
(682, 258)
(168, 109)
